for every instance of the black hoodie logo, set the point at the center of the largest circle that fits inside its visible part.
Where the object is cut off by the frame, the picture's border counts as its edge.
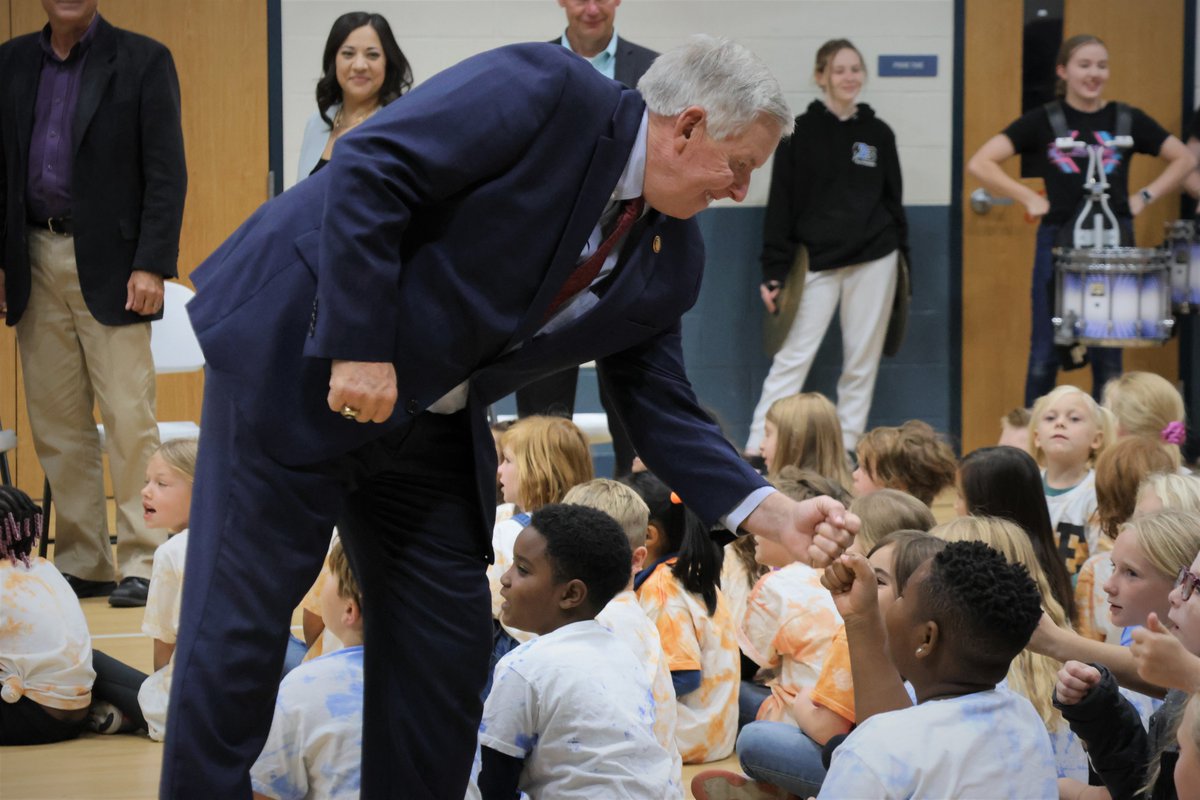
(863, 154)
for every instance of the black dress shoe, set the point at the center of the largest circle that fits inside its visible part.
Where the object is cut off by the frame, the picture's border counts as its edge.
(84, 588)
(131, 593)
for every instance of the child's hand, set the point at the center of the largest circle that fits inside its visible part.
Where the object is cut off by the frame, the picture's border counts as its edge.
(851, 581)
(1162, 659)
(1075, 680)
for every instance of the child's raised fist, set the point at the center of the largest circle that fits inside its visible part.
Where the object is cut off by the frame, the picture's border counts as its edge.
(851, 581)
(1075, 680)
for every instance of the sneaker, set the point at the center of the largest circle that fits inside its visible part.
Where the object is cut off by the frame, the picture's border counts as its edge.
(104, 717)
(719, 784)
(85, 588)
(130, 593)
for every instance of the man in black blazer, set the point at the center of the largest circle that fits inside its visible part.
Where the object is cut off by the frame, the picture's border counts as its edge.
(591, 33)
(92, 184)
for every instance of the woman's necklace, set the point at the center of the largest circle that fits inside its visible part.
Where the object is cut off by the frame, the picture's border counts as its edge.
(340, 125)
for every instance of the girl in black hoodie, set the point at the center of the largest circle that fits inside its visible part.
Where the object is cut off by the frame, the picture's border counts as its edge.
(835, 195)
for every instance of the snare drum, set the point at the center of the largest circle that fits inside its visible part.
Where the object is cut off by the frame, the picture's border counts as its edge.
(1112, 297)
(1183, 252)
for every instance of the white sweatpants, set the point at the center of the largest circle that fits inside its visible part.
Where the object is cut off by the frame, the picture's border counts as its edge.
(864, 294)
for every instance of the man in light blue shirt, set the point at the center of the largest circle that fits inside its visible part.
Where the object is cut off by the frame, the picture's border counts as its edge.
(591, 33)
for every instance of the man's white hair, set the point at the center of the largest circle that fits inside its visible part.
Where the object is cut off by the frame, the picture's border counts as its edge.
(729, 82)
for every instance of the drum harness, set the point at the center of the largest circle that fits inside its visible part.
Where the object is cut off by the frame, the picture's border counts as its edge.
(1104, 230)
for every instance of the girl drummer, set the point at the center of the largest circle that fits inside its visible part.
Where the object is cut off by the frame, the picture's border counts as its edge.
(1082, 72)
(836, 192)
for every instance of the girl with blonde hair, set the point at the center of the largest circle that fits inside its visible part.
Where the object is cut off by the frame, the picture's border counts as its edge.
(1031, 675)
(1145, 404)
(802, 430)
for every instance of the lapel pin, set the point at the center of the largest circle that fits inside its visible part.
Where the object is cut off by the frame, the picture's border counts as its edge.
(657, 244)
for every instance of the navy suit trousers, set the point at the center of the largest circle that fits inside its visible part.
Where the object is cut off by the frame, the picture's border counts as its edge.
(408, 513)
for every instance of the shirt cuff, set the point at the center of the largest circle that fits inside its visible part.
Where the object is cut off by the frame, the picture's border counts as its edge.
(734, 519)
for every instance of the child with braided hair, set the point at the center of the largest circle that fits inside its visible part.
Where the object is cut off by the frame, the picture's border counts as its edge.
(46, 671)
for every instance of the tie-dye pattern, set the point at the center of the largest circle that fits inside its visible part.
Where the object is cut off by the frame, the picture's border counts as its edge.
(984, 745)
(161, 621)
(789, 626)
(577, 706)
(834, 688)
(45, 647)
(626, 619)
(314, 748)
(706, 719)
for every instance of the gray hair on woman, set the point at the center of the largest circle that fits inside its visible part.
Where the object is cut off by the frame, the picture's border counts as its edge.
(719, 75)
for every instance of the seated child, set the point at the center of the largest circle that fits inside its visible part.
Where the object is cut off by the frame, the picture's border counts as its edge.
(1014, 429)
(963, 617)
(679, 591)
(45, 648)
(912, 458)
(318, 639)
(128, 699)
(1119, 473)
(540, 459)
(790, 619)
(314, 748)
(1069, 431)
(625, 617)
(802, 430)
(1148, 405)
(570, 714)
(779, 759)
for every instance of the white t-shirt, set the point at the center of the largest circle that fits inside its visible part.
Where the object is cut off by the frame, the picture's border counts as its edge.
(577, 707)
(161, 621)
(625, 618)
(1070, 517)
(984, 745)
(314, 749)
(45, 647)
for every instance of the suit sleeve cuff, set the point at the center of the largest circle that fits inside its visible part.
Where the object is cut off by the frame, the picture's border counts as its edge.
(734, 519)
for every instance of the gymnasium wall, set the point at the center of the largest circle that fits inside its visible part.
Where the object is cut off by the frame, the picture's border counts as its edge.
(722, 334)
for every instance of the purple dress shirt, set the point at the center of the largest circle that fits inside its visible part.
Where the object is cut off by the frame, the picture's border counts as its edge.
(48, 188)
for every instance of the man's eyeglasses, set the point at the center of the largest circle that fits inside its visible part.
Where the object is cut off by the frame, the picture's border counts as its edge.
(1187, 582)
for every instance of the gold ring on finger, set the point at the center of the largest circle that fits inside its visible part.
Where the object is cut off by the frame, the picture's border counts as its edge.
(349, 413)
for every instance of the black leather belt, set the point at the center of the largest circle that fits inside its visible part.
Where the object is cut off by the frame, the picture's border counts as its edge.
(60, 225)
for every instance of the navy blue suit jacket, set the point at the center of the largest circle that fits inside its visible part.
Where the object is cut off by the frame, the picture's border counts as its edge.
(436, 239)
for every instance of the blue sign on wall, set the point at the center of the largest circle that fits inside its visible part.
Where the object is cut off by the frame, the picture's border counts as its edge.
(908, 66)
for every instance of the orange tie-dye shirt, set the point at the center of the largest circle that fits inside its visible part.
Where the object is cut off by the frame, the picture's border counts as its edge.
(1091, 602)
(706, 719)
(45, 647)
(835, 685)
(789, 625)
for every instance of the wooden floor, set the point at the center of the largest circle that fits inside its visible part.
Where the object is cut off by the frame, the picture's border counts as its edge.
(125, 767)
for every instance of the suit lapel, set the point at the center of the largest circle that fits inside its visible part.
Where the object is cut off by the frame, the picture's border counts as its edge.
(28, 73)
(608, 162)
(97, 72)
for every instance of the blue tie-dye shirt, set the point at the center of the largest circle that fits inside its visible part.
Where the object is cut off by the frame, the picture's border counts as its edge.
(981, 745)
(314, 749)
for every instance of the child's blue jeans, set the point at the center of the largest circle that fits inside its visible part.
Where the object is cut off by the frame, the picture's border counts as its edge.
(782, 755)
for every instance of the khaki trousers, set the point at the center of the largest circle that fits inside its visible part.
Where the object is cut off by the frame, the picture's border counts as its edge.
(71, 362)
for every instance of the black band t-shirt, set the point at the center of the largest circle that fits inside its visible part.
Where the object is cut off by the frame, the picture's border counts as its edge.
(1066, 172)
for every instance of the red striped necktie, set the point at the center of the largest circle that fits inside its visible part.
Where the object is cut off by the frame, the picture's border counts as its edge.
(585, 273)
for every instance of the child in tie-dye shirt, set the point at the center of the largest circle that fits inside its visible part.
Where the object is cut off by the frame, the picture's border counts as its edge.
(953, 632)
(790, 619)
(45, 648)
(678, 591)
(314, 749)
(624, 617)
(571, 713)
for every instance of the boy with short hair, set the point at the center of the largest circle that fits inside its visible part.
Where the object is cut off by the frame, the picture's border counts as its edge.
(570, 714)
(964, 616)
(314, 749)
(624, 615)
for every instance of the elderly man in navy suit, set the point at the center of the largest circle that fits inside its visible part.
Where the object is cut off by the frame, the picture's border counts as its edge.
(516, 214)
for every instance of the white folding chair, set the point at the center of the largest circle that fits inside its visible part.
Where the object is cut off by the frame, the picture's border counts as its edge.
(174, 348)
